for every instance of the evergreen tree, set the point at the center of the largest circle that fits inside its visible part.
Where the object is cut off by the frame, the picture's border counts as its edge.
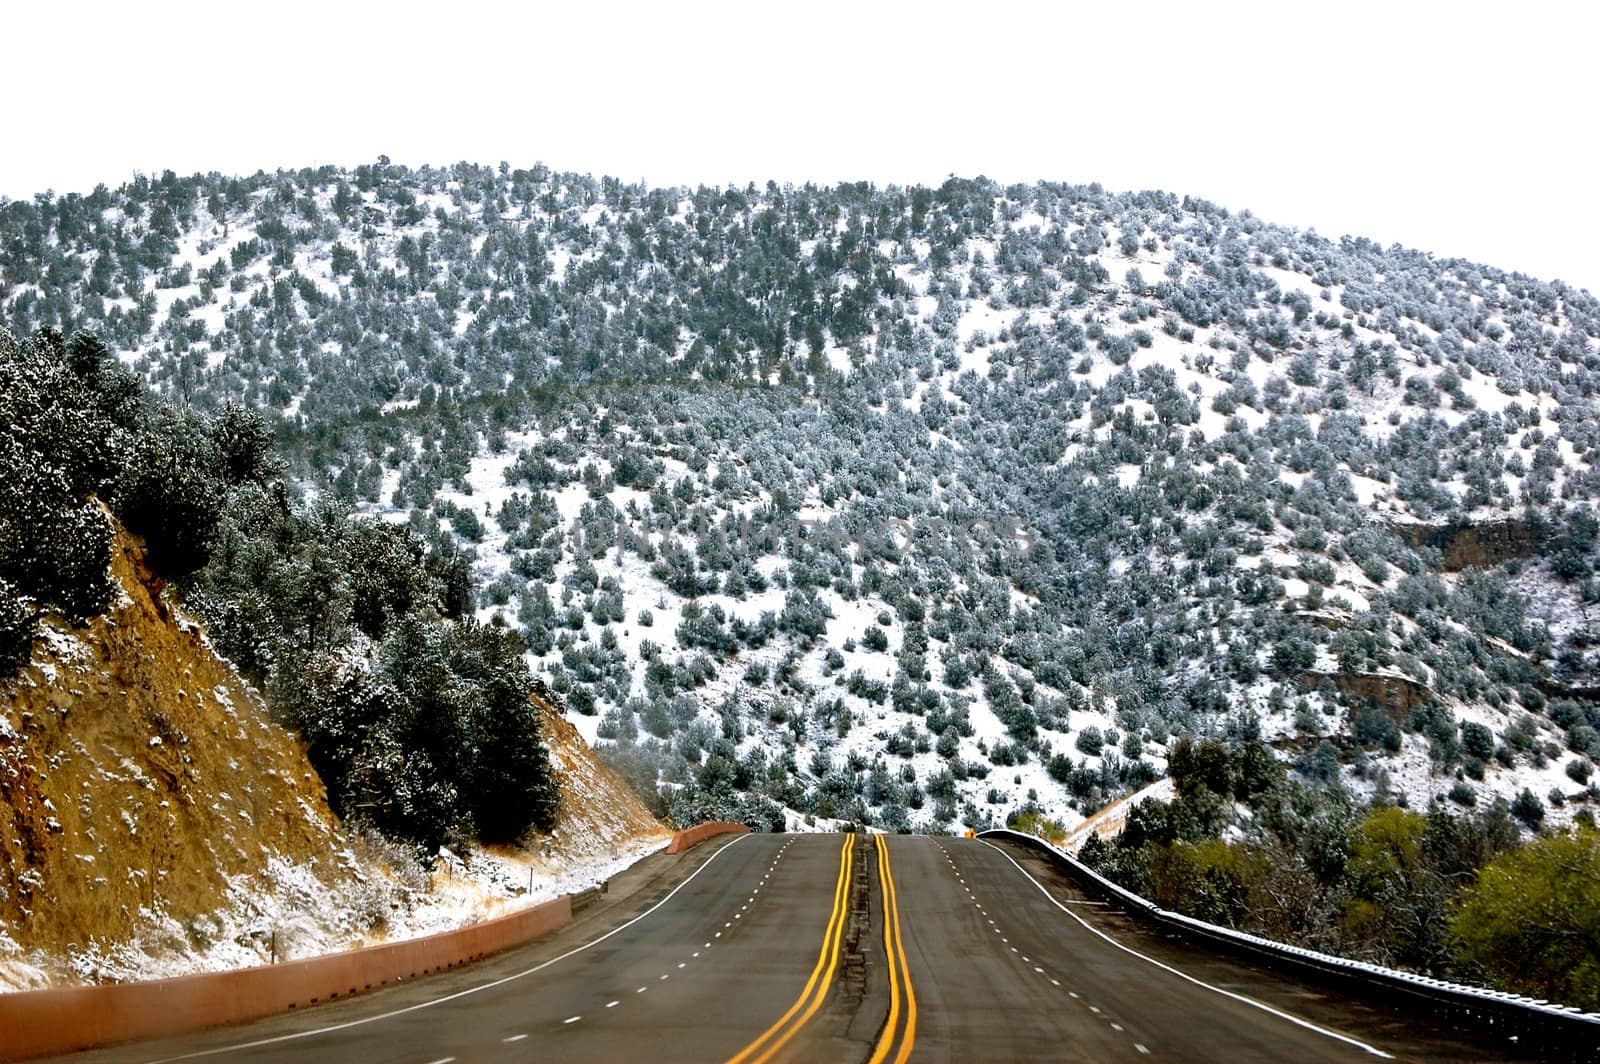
(170, 493)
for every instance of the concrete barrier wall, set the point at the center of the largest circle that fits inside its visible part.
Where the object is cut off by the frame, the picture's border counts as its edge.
(42, 1022)
(683, 840)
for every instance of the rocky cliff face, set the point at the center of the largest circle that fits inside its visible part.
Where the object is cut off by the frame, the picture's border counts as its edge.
(1396, 694)
(1473, 546)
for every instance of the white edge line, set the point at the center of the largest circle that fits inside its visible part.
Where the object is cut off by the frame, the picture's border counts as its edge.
(1252, 1002)
(460, 993)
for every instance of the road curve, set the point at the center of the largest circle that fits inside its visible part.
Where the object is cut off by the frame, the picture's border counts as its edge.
(832, 948)
(1022, 966)
(685, 969)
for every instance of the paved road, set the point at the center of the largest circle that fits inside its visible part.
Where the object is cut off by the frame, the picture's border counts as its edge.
(1018, 958)
(828, 948)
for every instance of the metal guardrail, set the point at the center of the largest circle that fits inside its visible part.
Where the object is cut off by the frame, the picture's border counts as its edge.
(583, 899)
(1542, 1027)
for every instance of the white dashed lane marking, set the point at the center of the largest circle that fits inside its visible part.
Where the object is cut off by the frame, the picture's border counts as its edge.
(1037, 969)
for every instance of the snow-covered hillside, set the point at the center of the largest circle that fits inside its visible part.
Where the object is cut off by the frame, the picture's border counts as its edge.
(914, 506)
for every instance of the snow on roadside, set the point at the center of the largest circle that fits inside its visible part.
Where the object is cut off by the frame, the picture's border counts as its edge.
(288, 911)
(484, 884)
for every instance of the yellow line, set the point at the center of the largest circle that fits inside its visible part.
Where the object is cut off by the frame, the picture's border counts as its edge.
(830, 940)
(910, 1038)
(833, 961)
(886, 1040)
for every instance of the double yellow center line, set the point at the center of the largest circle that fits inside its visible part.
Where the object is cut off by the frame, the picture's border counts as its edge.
(900, 1032)
(899, 972)
(774, 1038)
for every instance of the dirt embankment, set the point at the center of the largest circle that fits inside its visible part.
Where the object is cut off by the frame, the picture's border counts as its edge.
(155, 821)
(1109, 820)
(596, 805)
(142, 788)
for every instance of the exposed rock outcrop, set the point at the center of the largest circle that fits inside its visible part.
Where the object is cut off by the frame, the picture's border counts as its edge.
(1395, 693)
(1463, 545)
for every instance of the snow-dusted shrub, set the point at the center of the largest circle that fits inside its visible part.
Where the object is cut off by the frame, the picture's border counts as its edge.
(18, 625)
(55, 451)
(170, 493)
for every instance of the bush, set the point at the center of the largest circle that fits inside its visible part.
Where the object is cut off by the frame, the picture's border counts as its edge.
(386, 579)
(171, 495)
(435, 738)
(1532, 920)
(19, 625)
(55, 418)
(56, 449)
(510, 787)
(1372, 726)
(1033, 822)
(1477, 740)
(1528, 809)
(54, 549)
(243, 444)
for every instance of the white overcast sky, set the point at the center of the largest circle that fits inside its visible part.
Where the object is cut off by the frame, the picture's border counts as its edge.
(1458, 128)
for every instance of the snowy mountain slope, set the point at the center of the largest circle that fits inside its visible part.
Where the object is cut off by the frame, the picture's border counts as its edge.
(913, 505)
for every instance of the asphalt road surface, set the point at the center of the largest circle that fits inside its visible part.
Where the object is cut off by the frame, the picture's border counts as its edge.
(840, 948)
